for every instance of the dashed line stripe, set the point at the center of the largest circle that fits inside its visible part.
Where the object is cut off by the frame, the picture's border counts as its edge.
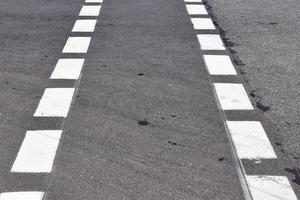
(232, 96)
(84, 25)
(67, 68)
(270, 188)
(193, 1)
(203, 24)
(30, 195)
(250, 140)
(219, 65)
(55, 102)
(90, 10)
(37, 152)
(210, 42)
(248, 137)
(77, 45)
(196, 9)
(94, 1)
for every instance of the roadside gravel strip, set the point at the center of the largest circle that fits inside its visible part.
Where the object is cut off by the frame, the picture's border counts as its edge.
(37, 152)
(248, 138)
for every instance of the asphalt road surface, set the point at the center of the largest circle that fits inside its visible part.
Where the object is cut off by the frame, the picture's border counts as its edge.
(139, 99)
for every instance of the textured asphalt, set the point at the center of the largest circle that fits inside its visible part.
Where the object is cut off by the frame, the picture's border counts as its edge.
(263, 36)
(144, 123)
(33, 34)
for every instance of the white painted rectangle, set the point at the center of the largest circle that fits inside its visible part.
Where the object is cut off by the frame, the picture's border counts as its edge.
(203, 24)
(84, 25)
(210, 42)
(37, 151)
(193, 1)
(193, 9)
(55, 102)
(250, 140)
(93, 1)
(90, 10)
(270, 188)
(77, 45)
(219, 65)
(28, 195)
(67, 68)
(232, 96)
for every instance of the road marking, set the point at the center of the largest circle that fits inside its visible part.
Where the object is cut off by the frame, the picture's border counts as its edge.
(193, 1)
(248, 137)
(232, 96)
(250, 140)
(30, 195)
(67, 68)
(219, 65)
(77, 45)
(90, 10)
(203, 24)
(270, 188)
(84, 25)
(37, 152)
(55, 102)
(210, 42)
(196, 9)
(94, 1)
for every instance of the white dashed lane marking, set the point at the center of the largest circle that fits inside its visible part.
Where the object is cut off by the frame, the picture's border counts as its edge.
(248, 137)
(55, 102)
(250, 140)
(90, 10)
(219, 65)
(22, 195)
(270, 188)
(84, 25)
(77, 45)
(67, 68)
(210, 42)
(93, 1)
(37, 152)
(202, 24)
(196, 9)
(193, 1)
(232, 96)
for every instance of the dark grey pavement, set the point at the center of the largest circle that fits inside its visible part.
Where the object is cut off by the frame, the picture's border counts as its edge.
(145, 123)
(263, 36)
(32, 35)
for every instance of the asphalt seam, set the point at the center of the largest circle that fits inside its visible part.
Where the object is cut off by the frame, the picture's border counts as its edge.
(38, 149)
(248, 138)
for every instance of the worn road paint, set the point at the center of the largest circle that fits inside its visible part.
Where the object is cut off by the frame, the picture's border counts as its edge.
(84, 25)
(90, 11)
(37, 152)
(250, 140)
(55, 102)
(203, 24)
(270, 188)
(30, 195)
(210, 42)
(219, 65)
(67, 68)
(232, 96)
(77, 45)
(196, 9)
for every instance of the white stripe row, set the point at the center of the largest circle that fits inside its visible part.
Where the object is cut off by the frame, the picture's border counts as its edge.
(38, 149)
(249, 137)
